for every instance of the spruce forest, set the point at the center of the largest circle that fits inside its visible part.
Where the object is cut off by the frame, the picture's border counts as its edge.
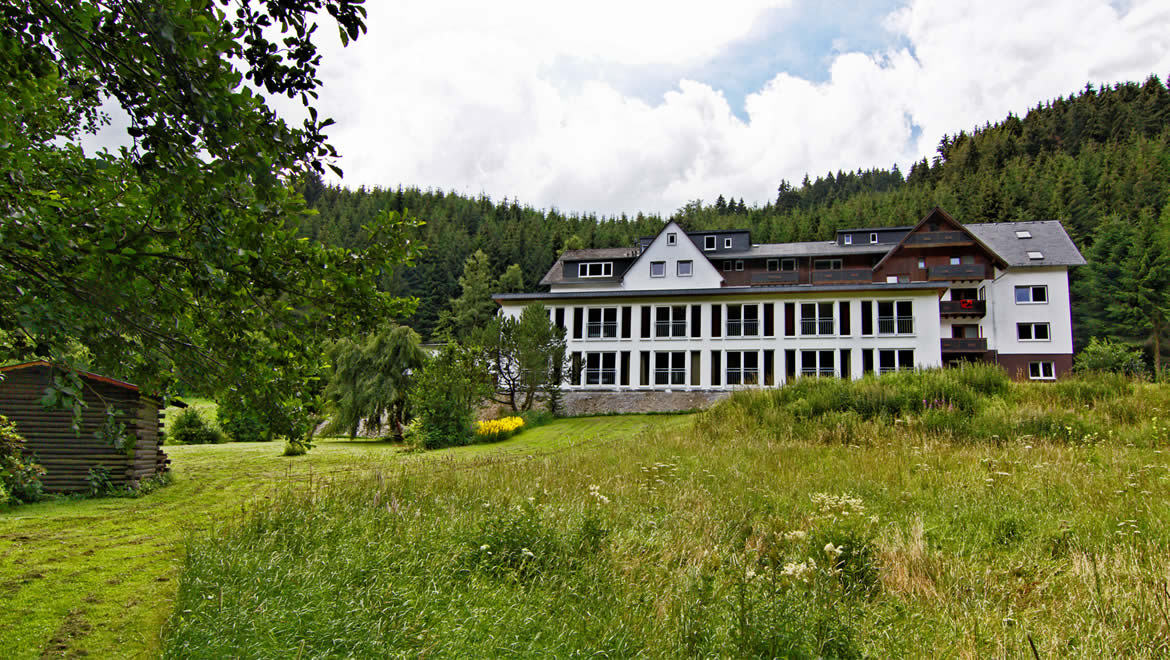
(1097, 160)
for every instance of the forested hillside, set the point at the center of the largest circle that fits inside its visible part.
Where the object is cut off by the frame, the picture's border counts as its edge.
(1098, 158)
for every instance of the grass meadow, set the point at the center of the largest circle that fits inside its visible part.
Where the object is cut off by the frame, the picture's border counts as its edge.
(951, 514)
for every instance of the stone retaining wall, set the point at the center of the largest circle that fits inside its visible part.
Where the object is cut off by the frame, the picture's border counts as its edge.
(594, 403)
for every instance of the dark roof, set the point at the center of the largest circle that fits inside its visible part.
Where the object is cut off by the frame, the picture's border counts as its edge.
(722, 291)
(898, 228)
(1048, 238)
(556, 273)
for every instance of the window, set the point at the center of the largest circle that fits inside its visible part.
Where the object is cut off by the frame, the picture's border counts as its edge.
(670, 368)
(601, 323)
(708, 242)
(895, 360)
(726, 265)
(657, 269)
(743, 320)
(817, 363)
(1031, 294)
(922, 264)
(727, 244)
(873, 238)
(595, 269)
(601, 368)
(1041, 371)
(955, 261)
(816, 318)
(787, 264)
(1035, 255)
(743, 368)
(895, 317)
(672, 238)
(848, 239)
(826, 264)
(1023, 234)
(739, 264)
(1032, 332)
(684, 269)
(773, 265)
(670, 321)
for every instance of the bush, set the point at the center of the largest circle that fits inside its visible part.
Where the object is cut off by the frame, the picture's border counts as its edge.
(1106, 355)
(444, 397)
(294, 448)
(241, 423)
(189, 428)
(20, 477)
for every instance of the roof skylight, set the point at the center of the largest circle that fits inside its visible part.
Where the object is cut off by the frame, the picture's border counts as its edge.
(1023, 233)
(1034, 255)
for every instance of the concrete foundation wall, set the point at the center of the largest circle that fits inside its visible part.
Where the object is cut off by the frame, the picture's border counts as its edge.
(594, 403)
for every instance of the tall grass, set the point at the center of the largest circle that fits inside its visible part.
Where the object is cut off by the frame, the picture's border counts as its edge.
(825, 519)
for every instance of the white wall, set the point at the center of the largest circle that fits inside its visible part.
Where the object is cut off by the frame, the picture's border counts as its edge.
(924, 341)
(703, 274)
(1003, 313)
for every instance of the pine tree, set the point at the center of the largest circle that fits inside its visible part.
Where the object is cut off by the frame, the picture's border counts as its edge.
(474, 307)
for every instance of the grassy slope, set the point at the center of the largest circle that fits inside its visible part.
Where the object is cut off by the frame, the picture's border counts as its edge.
(98, 576)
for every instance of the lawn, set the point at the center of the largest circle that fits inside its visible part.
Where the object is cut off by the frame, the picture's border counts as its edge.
(98, 577)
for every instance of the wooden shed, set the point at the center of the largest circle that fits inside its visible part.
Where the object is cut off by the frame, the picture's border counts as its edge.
(68, 455)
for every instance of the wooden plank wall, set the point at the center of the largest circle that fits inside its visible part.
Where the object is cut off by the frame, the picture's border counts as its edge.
(68, 456)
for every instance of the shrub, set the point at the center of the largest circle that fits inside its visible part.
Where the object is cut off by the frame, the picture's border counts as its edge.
(1109, 356)
(20, 477)
(294, 448)
(189, 428)
(241, 423)
(444, 397)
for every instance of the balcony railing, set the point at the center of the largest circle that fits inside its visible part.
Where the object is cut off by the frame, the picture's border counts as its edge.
(959, 272)
(670, 329)
(827, 372)
(964, 345)
(939, 238)
(601, 330)
(748, 377)
(816, 326)
(842, 275)
(670, 376)
(962, 307)
(600, 376)
(743, 328)
(895, 325)
(782, 277)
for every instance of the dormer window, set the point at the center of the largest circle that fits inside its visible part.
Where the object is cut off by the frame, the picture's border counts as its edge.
(1023, 234)
(727, 244)
(1035, 255)
(595, 269)
(873, 238)
(848, 239)
(672, 238)
(709, 242)
(773, 265)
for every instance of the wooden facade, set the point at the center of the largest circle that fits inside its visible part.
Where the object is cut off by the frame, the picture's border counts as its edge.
(68, 455)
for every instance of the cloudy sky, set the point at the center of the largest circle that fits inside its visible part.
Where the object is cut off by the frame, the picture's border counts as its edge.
(640, 105)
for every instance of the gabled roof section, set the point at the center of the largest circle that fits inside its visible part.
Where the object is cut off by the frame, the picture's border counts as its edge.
(1048, 237)
(938, 215)
(703, 272)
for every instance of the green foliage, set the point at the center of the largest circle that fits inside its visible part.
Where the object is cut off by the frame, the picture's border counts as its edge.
(20, 476)
(474, 307)
(444, 397)
(512, 281)
(294, 448)
(100, 483)
(240, 422)
(527, 356)
(189, 428)
(176, 259)
(370, 380)
(1108, 356)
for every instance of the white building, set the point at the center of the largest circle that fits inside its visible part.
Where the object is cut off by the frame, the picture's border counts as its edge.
(707, 311)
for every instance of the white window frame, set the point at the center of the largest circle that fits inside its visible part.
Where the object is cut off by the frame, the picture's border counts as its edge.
(679, 268)
(662, 268)
(819, 322)
(727, 244)
(601, 325)
(786, 262)
(873, 238)
(671, 238)
(606, 268)
(1031, 327)
(672, 372)
(710, 242)
(819, 370)
(898, 366)
(1031, 294)
(1036, 370)
(741, 321)
(673, 323)
(848, 239)
(895, 324)
(741, 373)
(738, 265)
(772, 265)
(600, 371)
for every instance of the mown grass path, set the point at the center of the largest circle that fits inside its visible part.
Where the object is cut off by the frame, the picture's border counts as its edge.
(97, 577)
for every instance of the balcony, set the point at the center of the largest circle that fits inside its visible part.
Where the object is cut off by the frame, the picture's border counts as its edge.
(774, 277)
(895, 325)
(813, 327)
(842, 275)
(966, 345)
(939, 239)
(959, 272)
(974, 308)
